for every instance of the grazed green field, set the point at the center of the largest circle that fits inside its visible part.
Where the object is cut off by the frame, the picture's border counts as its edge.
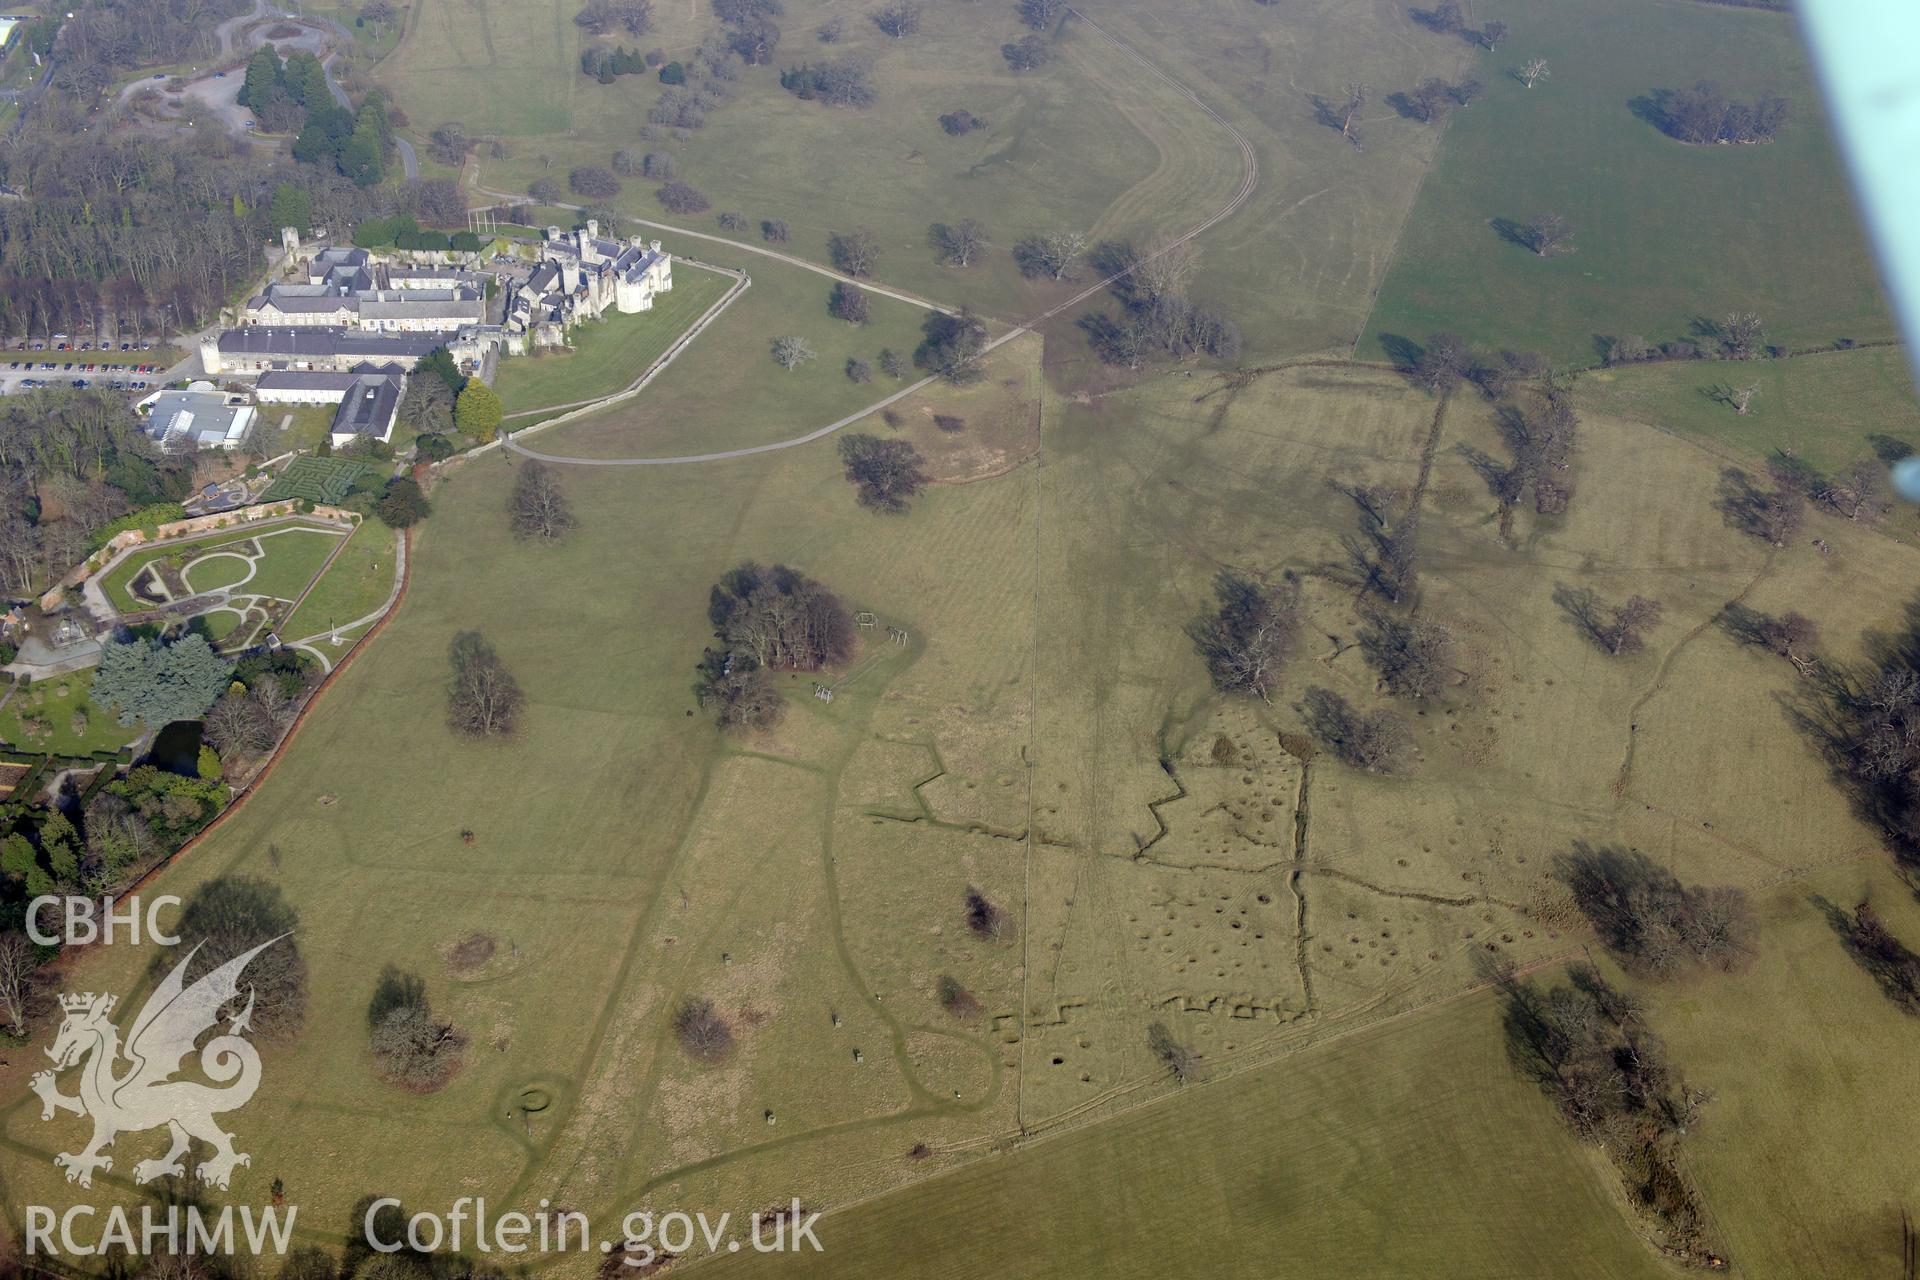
(1827, 409)
(1667, 233)
(1341, 1161)
(1045, 609)
(610, 354)
(1806, 1152)
(726, 390)
(1043, 731)
(1093, 142)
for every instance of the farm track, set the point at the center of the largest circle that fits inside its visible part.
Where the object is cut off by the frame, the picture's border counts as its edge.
(1249, 182)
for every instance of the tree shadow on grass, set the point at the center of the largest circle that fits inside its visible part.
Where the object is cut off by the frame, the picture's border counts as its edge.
(1512, 232)
(1889, 449)
(1402, 350)
(1892, 965)
(1646, 108)
(1582, 608)
(1402, 105)
(1324, 112)
(396, 989)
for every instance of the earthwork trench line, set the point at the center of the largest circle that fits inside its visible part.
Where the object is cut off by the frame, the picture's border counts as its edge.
(1249, 181)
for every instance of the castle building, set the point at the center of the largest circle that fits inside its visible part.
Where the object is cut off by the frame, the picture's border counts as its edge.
(580, 277)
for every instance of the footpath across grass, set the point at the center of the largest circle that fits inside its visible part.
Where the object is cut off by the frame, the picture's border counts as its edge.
(288, 561)
(1667, 234)
(610, 353)
(358, 582)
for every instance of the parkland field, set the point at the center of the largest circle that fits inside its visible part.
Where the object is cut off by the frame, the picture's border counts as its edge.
(1667, 235)
(1330, 948)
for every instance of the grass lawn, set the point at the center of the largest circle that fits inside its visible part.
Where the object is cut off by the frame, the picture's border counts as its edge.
(726, 389)
(211, 572)
(292, 554)
(359, 582)
(306, 426)
(1668, 233)
(293, 557)
(370, 43)
(54, 704)
(611, 353)
(117, 582)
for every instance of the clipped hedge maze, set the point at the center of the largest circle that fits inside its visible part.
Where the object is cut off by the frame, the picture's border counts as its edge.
(316, 479)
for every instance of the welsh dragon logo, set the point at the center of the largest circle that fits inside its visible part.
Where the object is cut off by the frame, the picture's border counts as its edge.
(127, 1088)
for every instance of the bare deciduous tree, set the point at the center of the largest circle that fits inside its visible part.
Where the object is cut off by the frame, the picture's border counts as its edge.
(1492, 34)
(483, 700)
(849, 302)
(901, 18)
(1655, 923)
(539, 507)
(1041, 14)
(415, 1049)
(1743, 332)
(1244, 640)
(984, 919)
(1548, 234)
(1532, 71)
(1415, 658)
(238, 724)
(231, 915)
(1347, 114)
(958, 243)
(1779, 514)
(1052, 254)
(1394, 567)
(956, 999)
(1171, 1053)
(791, 351)
(1161, 272)
(1624, 630)
(703, 1033)
(854, 252)
(1793, 636)
(1443, 363)
(887, 473)
(1430, 99)
(1378, 742)
(1858, 491)
(18, 961)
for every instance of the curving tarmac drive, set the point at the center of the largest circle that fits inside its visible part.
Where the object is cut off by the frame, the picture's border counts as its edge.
(1249, 179)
